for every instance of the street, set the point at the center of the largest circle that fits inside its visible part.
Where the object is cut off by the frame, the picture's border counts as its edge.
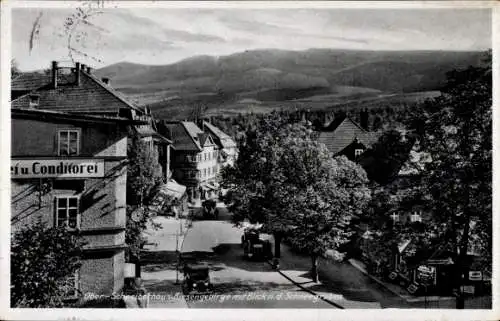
(238, 283)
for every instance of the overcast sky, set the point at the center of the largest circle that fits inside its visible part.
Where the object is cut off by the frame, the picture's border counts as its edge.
(162, 36)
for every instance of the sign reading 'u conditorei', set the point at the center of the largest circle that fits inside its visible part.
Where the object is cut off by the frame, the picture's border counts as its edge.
(62, 168)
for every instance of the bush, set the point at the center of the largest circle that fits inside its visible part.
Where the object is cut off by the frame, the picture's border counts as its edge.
(42, 259)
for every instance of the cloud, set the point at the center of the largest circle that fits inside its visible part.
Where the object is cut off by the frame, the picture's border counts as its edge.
(185, 36)
(164, 35)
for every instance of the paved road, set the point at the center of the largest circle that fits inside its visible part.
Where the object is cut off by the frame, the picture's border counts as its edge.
(239, 283)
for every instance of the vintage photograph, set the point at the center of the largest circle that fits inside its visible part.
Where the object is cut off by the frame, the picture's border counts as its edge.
(189, 157)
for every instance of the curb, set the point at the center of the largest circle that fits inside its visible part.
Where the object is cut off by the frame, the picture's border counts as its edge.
(361, 269)
(306, 289)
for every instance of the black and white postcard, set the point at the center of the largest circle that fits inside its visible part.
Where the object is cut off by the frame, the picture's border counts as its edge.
(241, 160)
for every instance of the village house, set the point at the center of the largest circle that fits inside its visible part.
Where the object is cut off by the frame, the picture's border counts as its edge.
(194, 159)
(227, 148)
(70, 170)
(343, 136)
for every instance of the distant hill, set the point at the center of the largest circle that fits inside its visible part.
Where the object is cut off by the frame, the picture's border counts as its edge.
(284, 76)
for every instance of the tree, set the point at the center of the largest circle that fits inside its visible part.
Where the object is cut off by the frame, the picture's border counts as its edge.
(323, 195)
(197, 109)
(385, 158)
(284, 177)
(455, 129)
(42, 259)
(254, 182)
(143, 175)
(14, 69)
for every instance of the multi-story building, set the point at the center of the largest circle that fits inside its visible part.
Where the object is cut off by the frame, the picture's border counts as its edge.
(227, 148)
(194, 159)
(70, 137)
(75, 89)
(70, 170)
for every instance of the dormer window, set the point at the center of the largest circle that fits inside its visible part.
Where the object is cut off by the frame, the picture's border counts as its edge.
(358, 152)
(34, 100)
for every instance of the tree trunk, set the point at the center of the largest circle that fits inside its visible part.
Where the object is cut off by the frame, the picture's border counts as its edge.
(464, 241)
(314, 268)
(461, 262)
(277, 245)
(138, 268)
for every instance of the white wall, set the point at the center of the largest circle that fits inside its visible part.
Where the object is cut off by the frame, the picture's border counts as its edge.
(207, 165)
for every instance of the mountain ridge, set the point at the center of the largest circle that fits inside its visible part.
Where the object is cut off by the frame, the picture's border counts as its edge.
(274, 74)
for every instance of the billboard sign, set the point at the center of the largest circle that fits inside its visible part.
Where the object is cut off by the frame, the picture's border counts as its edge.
(56, 168)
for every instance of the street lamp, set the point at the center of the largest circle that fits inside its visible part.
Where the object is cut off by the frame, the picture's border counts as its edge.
(177, 257)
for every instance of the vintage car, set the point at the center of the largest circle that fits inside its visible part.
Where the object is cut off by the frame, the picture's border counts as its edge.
(196, 278)
(250, 231)
(210, 210)
(255, 245)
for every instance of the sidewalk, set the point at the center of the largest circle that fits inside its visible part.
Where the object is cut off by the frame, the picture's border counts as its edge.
(164, 239)
(348, 294)
(159, 272)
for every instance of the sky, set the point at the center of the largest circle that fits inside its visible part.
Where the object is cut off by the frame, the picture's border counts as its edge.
(166, 35)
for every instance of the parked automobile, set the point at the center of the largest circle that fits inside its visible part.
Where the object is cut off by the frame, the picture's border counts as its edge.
(196, 278)
(210, 210)
(250, 231)
(255, 246)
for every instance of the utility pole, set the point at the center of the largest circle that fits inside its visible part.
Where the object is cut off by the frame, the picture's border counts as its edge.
(177, 252)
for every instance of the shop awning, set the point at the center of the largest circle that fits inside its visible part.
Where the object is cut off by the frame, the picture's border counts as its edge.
(208, 186)
(168, 191)
(174, 189)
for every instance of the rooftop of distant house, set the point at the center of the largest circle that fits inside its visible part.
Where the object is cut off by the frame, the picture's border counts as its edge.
(342, 132)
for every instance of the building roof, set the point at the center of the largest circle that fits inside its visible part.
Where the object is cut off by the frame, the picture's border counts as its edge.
(28, 81)
(342, 132)
(180, 137)
(91, 96)
(222, 139)
(187, 136)
(148, 131)
(41, 114)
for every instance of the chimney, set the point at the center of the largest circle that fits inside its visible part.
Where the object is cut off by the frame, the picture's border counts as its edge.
(54, 74)
(364, 119)
(84, 66)
(105, 80)
(77, 74)
(89, 70)
(199, 123)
